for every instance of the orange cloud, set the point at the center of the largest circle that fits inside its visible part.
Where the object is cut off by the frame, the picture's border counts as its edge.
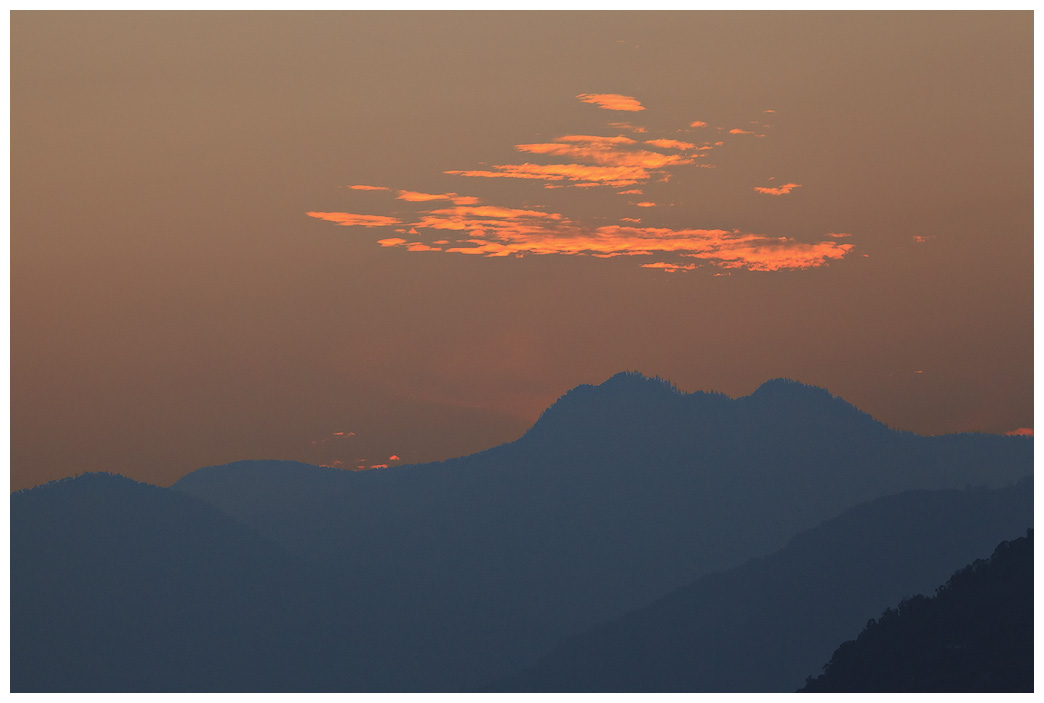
(352, 220)
(838, 235)
(368, 188)
(592, 139)
(343, 434)
(604, 153)
(782, 190)
(769, 110)
(631, 219)
(415, 197)
(377, 466)
(609, 175)
(611, 101)
(461, 225)
(922, 238)
(669, 268)
(744, 131)
(670, 144)
(507, 232)
(1021, 432)
(628, 126)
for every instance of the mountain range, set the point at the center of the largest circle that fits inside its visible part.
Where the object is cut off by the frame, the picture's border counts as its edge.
(459, 574)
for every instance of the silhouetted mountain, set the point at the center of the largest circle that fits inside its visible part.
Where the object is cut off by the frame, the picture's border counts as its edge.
(465, 569)
(759, 627)
(122, 586)
(974, 635)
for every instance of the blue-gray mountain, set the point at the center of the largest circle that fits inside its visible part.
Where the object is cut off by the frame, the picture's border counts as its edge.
(765, 625)
(453, 574)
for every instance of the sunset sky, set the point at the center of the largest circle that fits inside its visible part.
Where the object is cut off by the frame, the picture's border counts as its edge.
(362, 239)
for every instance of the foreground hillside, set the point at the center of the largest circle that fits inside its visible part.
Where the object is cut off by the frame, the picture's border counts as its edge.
(974, 635)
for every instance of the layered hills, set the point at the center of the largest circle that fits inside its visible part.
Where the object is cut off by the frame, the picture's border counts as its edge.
(450, 575)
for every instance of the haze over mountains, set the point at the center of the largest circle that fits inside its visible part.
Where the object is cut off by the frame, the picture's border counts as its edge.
(452, 575)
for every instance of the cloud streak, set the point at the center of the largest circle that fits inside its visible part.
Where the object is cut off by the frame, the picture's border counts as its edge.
(781, 190)
(611, 101)
(349, 219)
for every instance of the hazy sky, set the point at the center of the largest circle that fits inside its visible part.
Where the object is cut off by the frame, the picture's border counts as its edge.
(197, 278)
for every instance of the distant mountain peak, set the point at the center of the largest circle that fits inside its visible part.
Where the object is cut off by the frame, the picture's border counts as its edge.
(636, 379)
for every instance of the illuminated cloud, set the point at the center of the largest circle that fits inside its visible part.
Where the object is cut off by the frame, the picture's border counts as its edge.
(611, 101)
(352, 220)
(608, 175)
(415, 197)
(452, 223)
(497, 232)
(394, 457)
(671, 144)
(343, 434)
(781, 190)
(922, 238)
(838, 235)
(628, 126)
(669, 268)
(1021, 432)
(368, 188)
(605, 151)
(769, 110)
(377, 466)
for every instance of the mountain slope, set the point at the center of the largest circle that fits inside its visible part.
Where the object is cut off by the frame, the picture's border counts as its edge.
(760, 626)
(974, 635)
(618, 494)
(122, 586)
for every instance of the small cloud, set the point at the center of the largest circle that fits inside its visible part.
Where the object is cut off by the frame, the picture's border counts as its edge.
(628, 126)
(671, 144)
(636, 220)
(918, 371)
(922, 238)
(839, 235)
(745, 131)
(368, 187)
(1021, 432)
(349, 219)
(646, 204)
(378, 466)
(391, 242)
(394, 457)
(669, 268)
(781, 190)
(415, 197)
(632, 191)
(343, 434)
(697, 123)
(770, 111)
(611, 101)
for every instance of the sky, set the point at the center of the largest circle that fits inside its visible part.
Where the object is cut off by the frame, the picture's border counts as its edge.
(362, 238)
